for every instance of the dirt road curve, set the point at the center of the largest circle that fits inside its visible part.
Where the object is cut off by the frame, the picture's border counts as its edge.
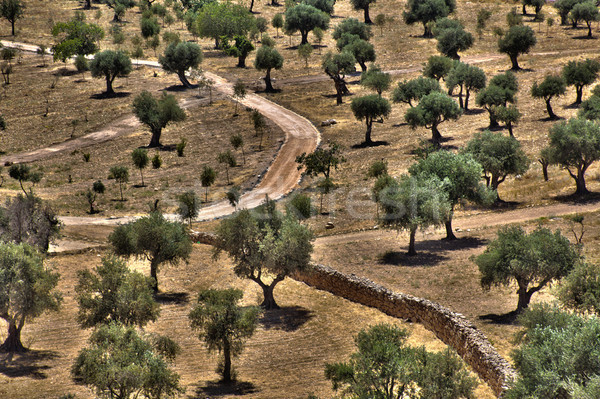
(281, 177)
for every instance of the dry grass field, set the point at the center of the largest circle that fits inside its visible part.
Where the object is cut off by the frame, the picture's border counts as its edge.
(285, 359)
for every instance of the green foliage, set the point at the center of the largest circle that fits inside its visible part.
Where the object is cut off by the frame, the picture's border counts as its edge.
(304, 51)
(537, 4)
(27, 290)
(362, 51)
(188, 206)
(12, 10)
(354, 27)
(121, 175)
(156, 161)
(433, 109)
(119, 360)
(300, 206)
(500, 91)
(171, 37)
(75, 37)
(564, 7)
(468, 78)
(277, 22)
(427, 11)
(408, 91)
(224, 326)
(451, 37)
(531, 260)
(109, 64)
(580, 289)
(180, 147)
(234, 195)
(81, 63)
(267, 41)
(581, 74)
(519, 39)
(227, 158)
(376, 79)
(324, 5)
(304, 18)
(590, 108)
(499, 156)
(113, 293)
(483, 16)
(179, 57)
(509, 115)
(265, 246)
(217, 19)
(378, 169)
(575, 145)
(240, 49)
(586, 11)
(140, 159)
(384, 367)
(154, 238)
(513, 18)
(551, 86)
(156, 114)
(321, 161)
(437, 67)
(336, 66)
(363, 5)
(207, 178)
(91, 194)
(370, 108)
(24, 173)
(268, 58)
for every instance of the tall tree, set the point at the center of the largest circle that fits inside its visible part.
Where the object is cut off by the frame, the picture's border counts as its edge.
(337, 66)
(586, 11)
(451, 37)
(113, 293)
(552, 86)
(207, 178)
(75, 38)
(179, 57)
(363, 5)
(152, 238)
(305, 18)
(437, 67)
(223, 325)
(109, 64)
(411, 203)
(432, 110)
(140, 159)
(499, 156)
(427, 11)
(218, 19)
(27, 290)
(581, 74)
(575, 145)
(12, 10)
(156, 114)
(265, 245)
(267, 59)
(362, 51)
(468, 78)
(532, 260)
(519, 39)
(370, 108)
(462, 177)
(121, 364)
(240, 48)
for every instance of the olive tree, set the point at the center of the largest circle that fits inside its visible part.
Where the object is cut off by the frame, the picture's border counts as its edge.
(12, 10)
(531, 260)
(75, 37)
(586, 11)
(240, 48)
(224, 325)
(140, 159)
(408, 91)
(305, 18)
(337, 66)
(552, 86)
(376, 79)
(92, 193)
(451, 37)
(222, 19)
(267, 59)
(179, 57)
(363, 5)
(437, 67)
(581, 74)
(370, 108)
(207, 179)
(109, 64)
(519, 39)
(352, 26)
(152, 238)
(468, 78)
(23, 173)
(188, 206)
(157, 114)
(362, 50)
(121, 176)
(265, 245)
(27, 290)
(427, 11)
(433, 109)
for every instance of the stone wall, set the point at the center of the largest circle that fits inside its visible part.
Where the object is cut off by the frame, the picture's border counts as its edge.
(451, 328)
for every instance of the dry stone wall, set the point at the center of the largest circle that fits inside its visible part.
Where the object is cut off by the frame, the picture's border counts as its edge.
(451, 328)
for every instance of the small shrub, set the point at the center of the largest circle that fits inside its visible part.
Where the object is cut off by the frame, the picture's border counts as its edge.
(181, 147)
(86, 157)
(156, 161)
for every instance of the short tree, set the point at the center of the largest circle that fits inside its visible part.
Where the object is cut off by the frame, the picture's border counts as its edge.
(152, 238)
(277, 22)
(121, 176)
(575, 145)
(179, 57)
(188, 206)
(304, 51)
(224, 326)
(375, 79)
(352, 26)
(12, 10)
(207, 178)
(499, 156)
(519, 39)
(81, 64)
(149, 27)
(227, 158)
(384, 367)
(427, 11)
(451, 37)
(156, 114)
(586, 11)
(564, 7)
(237, 142)
(265, 245)
(509, 115)
(27, 290)
(483, 16)
(500, 91)
(580, 289)
(461, 175)
(239, 93)
(300, 205)
(552, 86)
(531, 260)
(337, 66)
(92, 193)
(324, 5)
(119, 360)
(24, 173)
(234, 196)
(437, 67)
(370, 108)
(240, 49)
(119, 7)
(381, 20)
(362, 51)
(590, 108)
(305, 18)
(581, 74)
(413, 202)
(140, 159)
(109, 64)
(536, 4)
(468, 78)
(75, 37)
(267, 59)
(113, 293)
(432, 110)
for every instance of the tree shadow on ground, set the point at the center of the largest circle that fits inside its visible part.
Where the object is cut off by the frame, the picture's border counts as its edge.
(287, 318)
(573, 105)
(26, 364)
(509, 318)
(501, 205)
(105, 96)
(475, 111)
(371, 144)
(549, 119)
(215, 389)
(422, 258)
(578, 199)
(177, 298)
(585, 37)
(179, 88)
